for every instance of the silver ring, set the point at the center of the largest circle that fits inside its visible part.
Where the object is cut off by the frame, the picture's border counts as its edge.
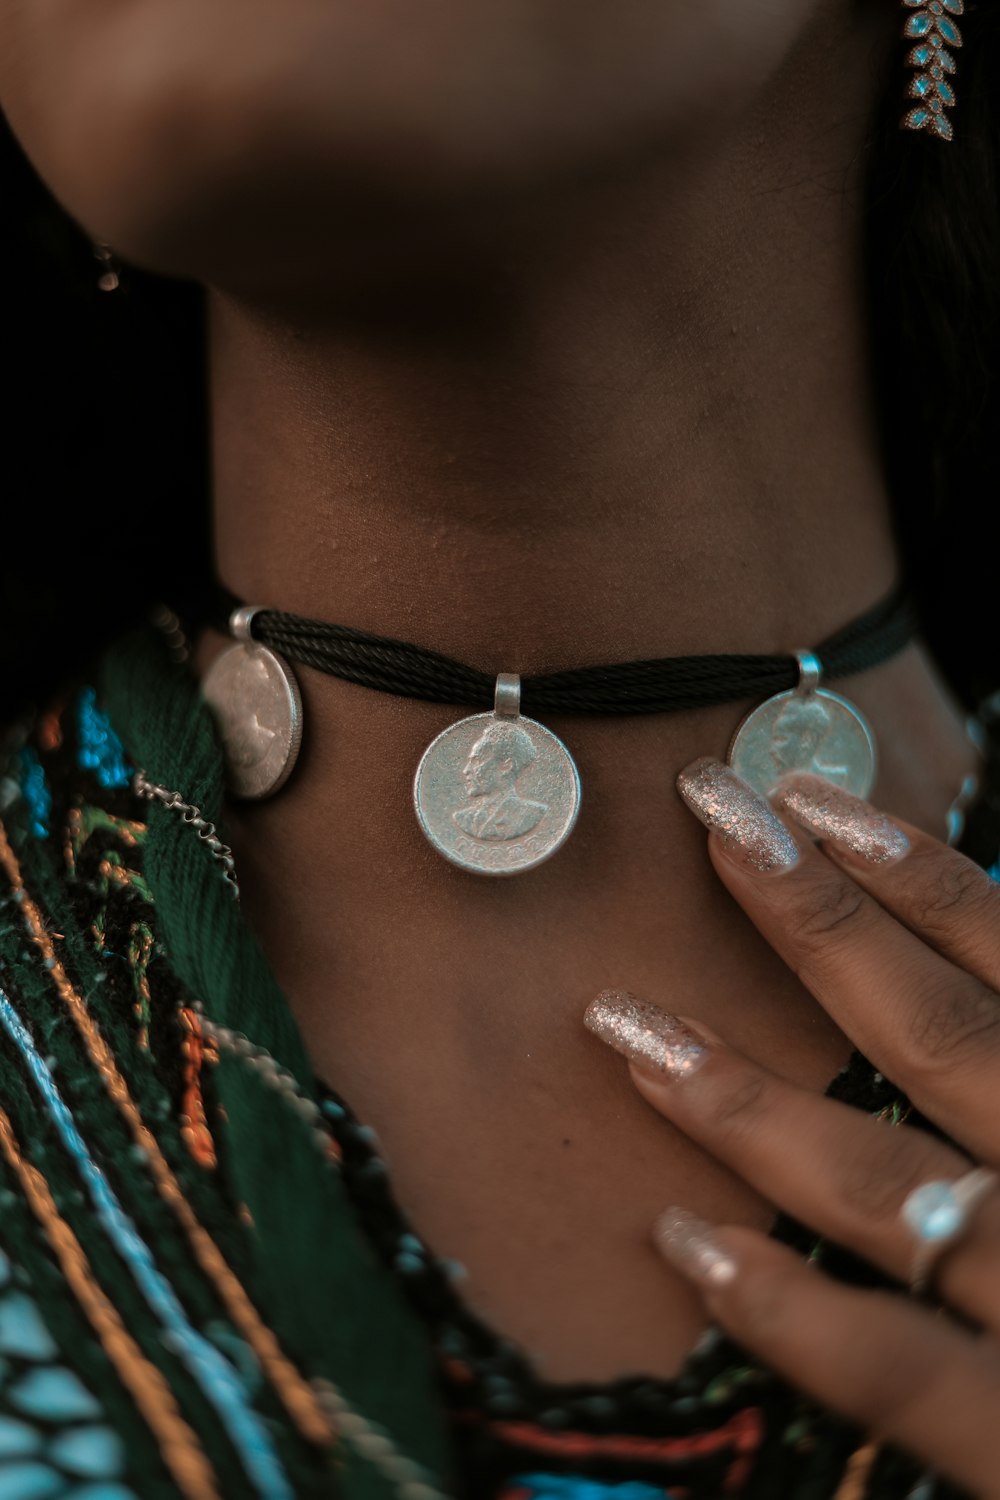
(938, 1214)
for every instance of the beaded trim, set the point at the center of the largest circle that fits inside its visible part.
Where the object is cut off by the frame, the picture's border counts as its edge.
(368, 1439)
(152, 791)
(175, 639)
(275, 1076)
(489, 1381)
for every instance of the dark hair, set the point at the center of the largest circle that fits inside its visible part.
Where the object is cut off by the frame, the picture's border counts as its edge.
(105, 451)
(105, 503)
(934, 281)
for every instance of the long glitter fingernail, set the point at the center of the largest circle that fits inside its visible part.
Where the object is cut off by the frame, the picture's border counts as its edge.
(691, 1245)
(645, 1034)
(752, 833)
(845, 820)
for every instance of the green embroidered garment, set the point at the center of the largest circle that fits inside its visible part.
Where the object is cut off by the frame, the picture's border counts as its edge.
(165, 1270)
(205, 1287)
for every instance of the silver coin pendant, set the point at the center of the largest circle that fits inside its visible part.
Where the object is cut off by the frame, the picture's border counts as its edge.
(255, 702)
(815, 731)
(497, 793)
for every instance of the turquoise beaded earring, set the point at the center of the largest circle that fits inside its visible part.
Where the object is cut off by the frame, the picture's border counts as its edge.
(933, 30)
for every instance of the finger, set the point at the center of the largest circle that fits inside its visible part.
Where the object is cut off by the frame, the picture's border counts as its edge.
(946, 899)
(824, 1163)
(927, 1024)
(908, 1376)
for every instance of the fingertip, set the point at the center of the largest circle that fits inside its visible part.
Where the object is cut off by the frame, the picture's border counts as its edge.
(856, 830)
(694, 1247)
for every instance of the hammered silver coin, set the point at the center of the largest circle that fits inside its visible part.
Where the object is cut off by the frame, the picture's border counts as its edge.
(816, 731)
(496, 794)
(255, 701)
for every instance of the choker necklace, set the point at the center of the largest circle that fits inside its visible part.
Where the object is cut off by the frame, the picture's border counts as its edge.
(496, 793)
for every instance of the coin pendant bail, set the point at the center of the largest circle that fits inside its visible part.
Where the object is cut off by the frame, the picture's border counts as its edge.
(806, 728)
(507, 696)
(497, 793)
(241, 621)
(255, 701)
(810, 671)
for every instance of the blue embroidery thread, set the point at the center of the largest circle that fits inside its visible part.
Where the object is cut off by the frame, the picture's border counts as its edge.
(35, 791)
(213, 1373)
(100, 750)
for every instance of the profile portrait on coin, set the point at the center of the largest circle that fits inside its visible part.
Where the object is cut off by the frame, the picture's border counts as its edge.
(798, 736)
(496, 810)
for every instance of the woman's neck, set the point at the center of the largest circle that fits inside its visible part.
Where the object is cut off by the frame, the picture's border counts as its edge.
(638, 423)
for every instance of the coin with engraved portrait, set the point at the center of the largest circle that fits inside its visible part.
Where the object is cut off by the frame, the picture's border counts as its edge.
(816, 731)
(496, 794)
(255, 702)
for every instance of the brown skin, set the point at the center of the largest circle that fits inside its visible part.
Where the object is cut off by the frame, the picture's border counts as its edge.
(536, 338)
(235, 141)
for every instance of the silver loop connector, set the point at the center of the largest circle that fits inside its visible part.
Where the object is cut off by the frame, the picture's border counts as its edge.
(240, 621)
(507, 697)
(810, 671)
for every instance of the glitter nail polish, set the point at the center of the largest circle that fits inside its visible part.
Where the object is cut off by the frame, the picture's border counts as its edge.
(752, 833)
(645, 1034)
(690, 1244)
(845, 820)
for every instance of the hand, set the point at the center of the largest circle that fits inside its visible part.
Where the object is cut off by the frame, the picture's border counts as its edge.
(898, 937)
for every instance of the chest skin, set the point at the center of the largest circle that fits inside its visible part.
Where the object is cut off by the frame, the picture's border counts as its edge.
(446, 1009)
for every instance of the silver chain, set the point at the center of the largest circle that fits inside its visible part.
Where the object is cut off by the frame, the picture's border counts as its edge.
(152, 791)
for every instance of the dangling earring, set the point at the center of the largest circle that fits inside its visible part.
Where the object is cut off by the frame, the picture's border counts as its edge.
(934, 32)
(110, 278)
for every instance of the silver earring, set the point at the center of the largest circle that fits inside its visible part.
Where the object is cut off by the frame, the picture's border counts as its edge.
(110, 278)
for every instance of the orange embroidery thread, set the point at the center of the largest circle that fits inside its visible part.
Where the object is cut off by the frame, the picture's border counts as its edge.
(299, 1399)
(181, 1451)
(140, 951)
(859, 1470)
(194, 1125)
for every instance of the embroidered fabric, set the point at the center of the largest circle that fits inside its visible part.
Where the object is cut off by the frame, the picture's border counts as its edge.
(724, 1427)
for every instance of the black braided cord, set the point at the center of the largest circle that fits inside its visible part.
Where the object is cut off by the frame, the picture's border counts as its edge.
(667, 685)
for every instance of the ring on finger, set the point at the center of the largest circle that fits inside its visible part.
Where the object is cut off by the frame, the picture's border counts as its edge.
(938, 1214)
